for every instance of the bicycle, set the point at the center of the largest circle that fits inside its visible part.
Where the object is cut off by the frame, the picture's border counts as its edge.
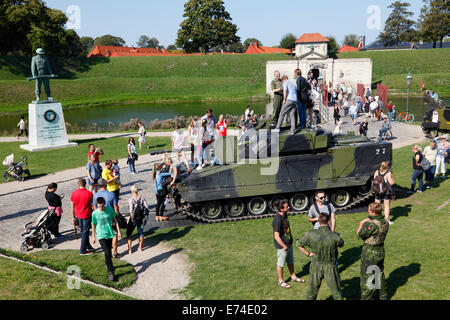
(405, 116)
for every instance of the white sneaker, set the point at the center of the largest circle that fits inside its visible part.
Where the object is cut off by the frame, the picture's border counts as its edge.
(390, 222)
(199, 168)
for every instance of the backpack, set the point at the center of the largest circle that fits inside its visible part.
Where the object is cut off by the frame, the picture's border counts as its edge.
(122, 221)
(140, 211)
(378, 184)
(319, 212)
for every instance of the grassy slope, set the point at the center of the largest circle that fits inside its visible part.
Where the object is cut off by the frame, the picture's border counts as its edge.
(430, 66)
(41, 163)
(237, 260)
(23, 282)
(139, 79)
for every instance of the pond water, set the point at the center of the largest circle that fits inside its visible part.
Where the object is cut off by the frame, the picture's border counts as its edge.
(84, 117)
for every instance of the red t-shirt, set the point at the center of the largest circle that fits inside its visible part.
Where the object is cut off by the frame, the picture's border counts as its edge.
(222, 125)
(96, 156)
(390, 107)
(82, 200)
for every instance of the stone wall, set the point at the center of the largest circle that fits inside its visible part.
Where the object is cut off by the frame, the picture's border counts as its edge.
(349, 71)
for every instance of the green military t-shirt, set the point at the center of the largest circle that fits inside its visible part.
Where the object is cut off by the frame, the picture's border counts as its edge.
(324, 243)
(277, 84)
(102, 220)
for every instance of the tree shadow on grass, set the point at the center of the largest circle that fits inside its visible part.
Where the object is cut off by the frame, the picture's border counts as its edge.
(400, 276)
(398, 212)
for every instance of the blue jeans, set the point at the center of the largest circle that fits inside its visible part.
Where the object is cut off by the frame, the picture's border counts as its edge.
(391, 116)
(131, 166)
(429, 174)
(383, 130)
(301, 108)
(85, 225)
(417, 175)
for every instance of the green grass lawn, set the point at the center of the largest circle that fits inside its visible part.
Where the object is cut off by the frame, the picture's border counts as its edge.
(19, 281)
(41, 163)
(432, 66)
(139, 79)
(237, 260)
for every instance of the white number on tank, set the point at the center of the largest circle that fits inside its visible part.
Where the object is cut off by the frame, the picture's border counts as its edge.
(381, 151)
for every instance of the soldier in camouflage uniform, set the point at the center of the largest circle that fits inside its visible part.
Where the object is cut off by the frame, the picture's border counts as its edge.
(373, 231)
(324, 245)
(41, 67)
(277, 89)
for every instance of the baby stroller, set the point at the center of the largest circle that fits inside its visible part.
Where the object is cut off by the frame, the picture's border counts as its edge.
(15, 170)
(37, 233)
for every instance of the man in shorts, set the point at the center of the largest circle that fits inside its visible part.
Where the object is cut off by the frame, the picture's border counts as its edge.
(283, 243)
(178, 142)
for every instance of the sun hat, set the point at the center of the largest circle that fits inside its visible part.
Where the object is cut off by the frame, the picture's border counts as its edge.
(40, 51)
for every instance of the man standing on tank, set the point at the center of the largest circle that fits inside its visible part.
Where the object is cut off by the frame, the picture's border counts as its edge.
(373, 231)
(323, 244)
(302, 96)
(289, 104)
(283, 243)
(277, 89)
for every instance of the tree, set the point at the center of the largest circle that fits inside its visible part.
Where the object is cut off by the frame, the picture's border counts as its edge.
(351, 40)
(26, 25)
(207, 25)
(333, 47)
(288, 41)
(147, 42)
(171, 47)
(236, 47)
(397, 25)
(109, 40)
(434, 21)
(87, 43)
(249, 41)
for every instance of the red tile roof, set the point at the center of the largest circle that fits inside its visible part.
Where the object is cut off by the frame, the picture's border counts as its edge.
(347, 49)
(110, 51)
(253, 48)
(311, 37)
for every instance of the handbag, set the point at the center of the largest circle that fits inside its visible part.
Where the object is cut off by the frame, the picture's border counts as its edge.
(122, 221)
(425, 164)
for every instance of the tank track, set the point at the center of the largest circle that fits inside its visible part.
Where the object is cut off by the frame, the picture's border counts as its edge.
(197, 216)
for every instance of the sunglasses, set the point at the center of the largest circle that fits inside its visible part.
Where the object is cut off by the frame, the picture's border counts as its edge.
(320, 198)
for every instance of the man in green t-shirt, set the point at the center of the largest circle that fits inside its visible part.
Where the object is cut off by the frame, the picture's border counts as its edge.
(102, 221)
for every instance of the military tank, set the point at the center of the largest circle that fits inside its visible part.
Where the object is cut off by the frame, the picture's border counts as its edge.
(268, 166)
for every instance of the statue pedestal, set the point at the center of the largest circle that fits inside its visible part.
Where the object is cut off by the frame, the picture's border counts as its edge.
(47, 129)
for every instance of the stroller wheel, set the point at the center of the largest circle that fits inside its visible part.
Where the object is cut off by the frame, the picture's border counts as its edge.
(5, 177)
(23, 248)
(20, 178)
(44, 245)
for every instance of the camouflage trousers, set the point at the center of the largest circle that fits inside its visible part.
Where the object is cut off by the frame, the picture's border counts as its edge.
(277, 102)
(327, 271)
(373, 282)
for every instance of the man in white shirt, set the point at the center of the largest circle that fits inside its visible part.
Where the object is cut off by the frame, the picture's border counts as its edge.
(354, 112)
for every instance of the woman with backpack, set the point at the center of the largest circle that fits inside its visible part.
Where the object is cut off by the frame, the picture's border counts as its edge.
(160, 191)
(138, 209)
(383, 188)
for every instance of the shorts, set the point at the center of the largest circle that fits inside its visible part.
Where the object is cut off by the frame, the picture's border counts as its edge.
(178, 150)
(92, 183)
(285, 257)
(141, 139)
(383, 196)
(354, 116)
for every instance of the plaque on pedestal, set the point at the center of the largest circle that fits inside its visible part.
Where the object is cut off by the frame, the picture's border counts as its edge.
(47, 129)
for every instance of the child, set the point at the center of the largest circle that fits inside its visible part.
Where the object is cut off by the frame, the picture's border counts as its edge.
(116, 171)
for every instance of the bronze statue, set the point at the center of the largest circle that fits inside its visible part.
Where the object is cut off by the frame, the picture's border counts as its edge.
(41, 71)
